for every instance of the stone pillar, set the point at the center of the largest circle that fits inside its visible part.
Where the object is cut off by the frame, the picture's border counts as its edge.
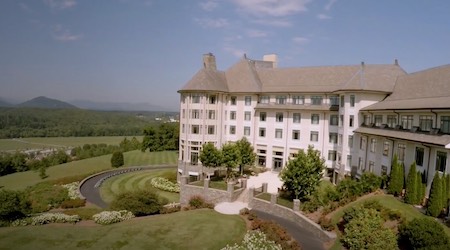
(206, 184)
(296, 205)
(273, 199)
(251, 194)
(264, 187)
(244, 183)
(230, 190)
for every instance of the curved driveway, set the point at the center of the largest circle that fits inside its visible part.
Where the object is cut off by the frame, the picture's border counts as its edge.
(92, 194)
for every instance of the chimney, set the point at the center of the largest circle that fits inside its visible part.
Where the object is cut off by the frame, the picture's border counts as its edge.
(396, 62)
(271, 58)
(209, 61)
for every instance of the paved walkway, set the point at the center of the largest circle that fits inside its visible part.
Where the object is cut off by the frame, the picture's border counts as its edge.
(271, 178)
(92, 194)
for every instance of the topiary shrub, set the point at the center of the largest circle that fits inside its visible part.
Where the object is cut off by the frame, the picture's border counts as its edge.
(397, 178)
(412, 186)
(435, 205)
(117, 159)
(423, 233)
(140, 203)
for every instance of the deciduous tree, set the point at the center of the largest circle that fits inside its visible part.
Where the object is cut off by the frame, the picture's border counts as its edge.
(302, 175)
(248, 156)
(231, 157)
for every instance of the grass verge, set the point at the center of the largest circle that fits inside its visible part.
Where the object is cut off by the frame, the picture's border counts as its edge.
(197, 229)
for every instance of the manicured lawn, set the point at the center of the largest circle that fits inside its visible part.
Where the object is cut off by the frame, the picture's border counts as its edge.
(57, 142)
(83, 167)
(135, 181)
(198, 229)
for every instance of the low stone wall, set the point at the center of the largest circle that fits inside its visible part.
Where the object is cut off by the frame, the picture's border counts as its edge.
(289, 214)
(210, 195)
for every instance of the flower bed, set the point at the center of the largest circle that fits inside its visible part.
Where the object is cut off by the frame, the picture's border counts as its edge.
(72, 188)
(165, 184)
(47, 218)
(254, 240)
(110, 217)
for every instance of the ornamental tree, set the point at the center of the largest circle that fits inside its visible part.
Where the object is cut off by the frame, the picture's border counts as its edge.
(302, 175)
(435, 205)
(397, 178)
(210, 156)
(411, 185)
(248, 156)
(117, 159)
(231, 157)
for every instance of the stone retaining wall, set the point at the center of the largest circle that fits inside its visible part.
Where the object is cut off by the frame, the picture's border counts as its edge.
(289, 214)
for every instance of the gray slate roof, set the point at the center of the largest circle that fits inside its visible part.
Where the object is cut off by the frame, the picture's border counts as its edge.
(421, 90)
(249, 76)
(441, 140)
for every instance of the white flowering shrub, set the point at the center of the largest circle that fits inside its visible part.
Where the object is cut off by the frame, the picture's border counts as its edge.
(254, 240)
(165, 184)
(110, 217)
(46, 218)
(72, 189)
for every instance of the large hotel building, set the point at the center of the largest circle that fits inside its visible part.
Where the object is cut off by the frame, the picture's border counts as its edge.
(357, 116)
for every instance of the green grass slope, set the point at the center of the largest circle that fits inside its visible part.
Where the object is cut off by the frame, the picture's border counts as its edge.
(198, 229)
(76, 168)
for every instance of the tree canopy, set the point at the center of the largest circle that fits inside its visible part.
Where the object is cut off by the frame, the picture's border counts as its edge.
(160, 138)
(210, 156)
(231, 157)
(302, 175)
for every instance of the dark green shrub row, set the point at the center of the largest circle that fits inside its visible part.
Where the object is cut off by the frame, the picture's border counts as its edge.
(140, 203)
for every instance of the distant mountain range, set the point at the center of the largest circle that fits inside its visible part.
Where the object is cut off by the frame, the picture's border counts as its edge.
(45, 102)
(49, 103)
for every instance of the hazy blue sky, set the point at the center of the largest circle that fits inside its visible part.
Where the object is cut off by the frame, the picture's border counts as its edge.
(144, 51)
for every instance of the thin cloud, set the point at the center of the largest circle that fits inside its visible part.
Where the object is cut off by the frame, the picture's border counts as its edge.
(256, 33)
(25, 7)
(212, 23)
(209, 5)
(323, 16)
(274, 22)
(60, 4)
(275, 8)
(329, 5)
(64, 35)
(234, 51)
(300, 40)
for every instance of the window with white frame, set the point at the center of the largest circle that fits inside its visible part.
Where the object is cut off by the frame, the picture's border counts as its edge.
(232, 130)
(278, 133)
(211, 130)
(445, 124)
(392, 121)
(407, 121)
(279, 117)
(371, 165)
(295, 134)
(367, 120)
(316, 100)
(352, 101)
(334, 100)
(183, 128)
(211, 114)
(195, 98)
(332, 155)
(195, 114)
(183, 115)
(340, 139)
(373, 145)
(232, 115)
(351, 121)
(315, 119)
(195, 129)
(262, 132)
(350, 141)
(247, 131)
(280, 99)
(441, 161)
(212, 99)
(362, 142)
(425, 122)
(262, 116)
(401, 151)
(378, 120)
(248, 100)
(360, 163)
(333, 138)
(194, 158)
(233, 100)
(247, 115)
(296, 117)
(264, 99)
(314, 136)
(298, 100)
(420, 152)
(386, 148)
(334, 120)
(342, 101)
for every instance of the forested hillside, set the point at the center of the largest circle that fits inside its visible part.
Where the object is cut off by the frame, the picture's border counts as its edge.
(34, 122)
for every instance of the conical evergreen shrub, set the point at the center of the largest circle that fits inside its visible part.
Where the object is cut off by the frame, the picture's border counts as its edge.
(412, 186)
(396, 178)
(420, 188)
(434, 206)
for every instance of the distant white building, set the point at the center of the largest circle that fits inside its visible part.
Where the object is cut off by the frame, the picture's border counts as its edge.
(356, 116)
